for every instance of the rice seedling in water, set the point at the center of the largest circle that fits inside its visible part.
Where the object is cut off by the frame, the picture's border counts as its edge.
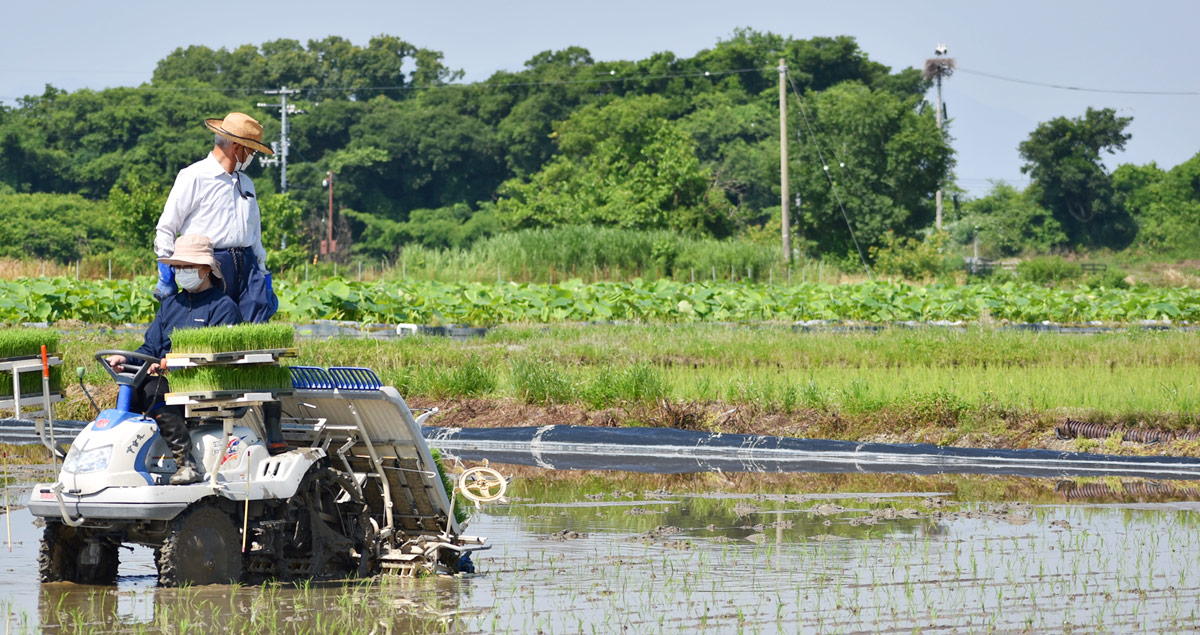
(242, 337)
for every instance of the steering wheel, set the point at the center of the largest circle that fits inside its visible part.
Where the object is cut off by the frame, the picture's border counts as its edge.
(127, 379)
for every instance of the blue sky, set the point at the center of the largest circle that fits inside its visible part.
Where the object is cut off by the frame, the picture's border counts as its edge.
(1102, 44)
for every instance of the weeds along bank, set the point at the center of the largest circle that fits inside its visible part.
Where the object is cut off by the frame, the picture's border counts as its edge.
(980, 387)
(432, 302)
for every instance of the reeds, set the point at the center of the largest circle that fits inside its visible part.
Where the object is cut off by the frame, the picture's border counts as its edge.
(224, 339)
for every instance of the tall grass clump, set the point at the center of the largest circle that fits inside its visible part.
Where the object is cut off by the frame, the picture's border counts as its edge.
(242, 337)
(240, 377)
(638, 384)
(469, 379)
(541, 383)
(24, 342)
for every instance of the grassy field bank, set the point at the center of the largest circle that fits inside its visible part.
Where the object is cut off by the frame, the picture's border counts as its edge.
(978, 387)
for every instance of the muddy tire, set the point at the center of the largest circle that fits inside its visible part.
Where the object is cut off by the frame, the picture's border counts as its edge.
(202, 547)
(61, 555)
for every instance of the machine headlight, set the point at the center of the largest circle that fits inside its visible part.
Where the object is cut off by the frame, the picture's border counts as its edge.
(82, 462)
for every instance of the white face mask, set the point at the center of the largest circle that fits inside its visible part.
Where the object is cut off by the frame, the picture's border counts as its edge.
(188, 279)
(245, 164)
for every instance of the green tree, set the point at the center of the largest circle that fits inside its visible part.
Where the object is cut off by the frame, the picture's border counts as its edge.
(136, 208)
(1164, 204)
(1062, 156)
(623, 164)
(1009, 222)
(282, 217)
(885, 159)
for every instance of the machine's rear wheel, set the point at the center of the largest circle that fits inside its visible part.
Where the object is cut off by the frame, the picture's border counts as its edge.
(69, 554)
(202, 547)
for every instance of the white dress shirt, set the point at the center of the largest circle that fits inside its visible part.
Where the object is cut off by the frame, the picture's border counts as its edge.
(210, 201)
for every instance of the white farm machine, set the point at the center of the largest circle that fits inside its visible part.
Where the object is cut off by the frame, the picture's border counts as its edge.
(358, 493)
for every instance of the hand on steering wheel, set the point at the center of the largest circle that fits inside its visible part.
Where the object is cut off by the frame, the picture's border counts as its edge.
(118, 371)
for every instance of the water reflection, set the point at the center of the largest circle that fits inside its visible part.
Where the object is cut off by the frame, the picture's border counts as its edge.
(593, 551)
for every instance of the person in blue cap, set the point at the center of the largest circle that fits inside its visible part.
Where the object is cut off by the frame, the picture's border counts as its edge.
(214, 198)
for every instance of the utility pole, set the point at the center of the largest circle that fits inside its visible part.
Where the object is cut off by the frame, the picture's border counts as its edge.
(785, 217)
(329, 245)
(281, 148)
(936, 68)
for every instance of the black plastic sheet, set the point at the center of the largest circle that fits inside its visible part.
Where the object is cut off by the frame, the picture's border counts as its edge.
(670, 451)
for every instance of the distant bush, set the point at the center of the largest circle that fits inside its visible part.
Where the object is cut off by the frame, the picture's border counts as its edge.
(912, 259)
(1048, 270)
(1110, 278)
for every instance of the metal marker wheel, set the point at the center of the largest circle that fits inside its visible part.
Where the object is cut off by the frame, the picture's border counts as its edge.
(482, 485)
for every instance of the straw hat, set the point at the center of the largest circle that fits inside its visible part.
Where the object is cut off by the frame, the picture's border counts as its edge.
(193, 250)
(240, 128)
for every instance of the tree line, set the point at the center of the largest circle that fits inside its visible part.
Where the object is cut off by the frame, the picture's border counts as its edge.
(686, 144)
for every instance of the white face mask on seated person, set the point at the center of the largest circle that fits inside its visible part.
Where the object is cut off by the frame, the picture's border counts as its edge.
(189, 278)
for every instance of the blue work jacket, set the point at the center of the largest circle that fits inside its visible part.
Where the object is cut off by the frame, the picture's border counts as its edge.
(210, 307)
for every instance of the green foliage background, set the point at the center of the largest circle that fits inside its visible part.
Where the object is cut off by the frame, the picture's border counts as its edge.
(688, 145)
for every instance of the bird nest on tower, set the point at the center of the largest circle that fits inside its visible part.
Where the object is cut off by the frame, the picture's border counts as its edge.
(938, 68)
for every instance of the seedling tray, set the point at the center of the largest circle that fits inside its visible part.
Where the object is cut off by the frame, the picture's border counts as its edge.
(30, 400)
(213, 397)
(266, 356)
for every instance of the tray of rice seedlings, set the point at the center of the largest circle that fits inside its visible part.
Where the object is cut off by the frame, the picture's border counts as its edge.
(236, 383)
(21, 350)
(240, 344)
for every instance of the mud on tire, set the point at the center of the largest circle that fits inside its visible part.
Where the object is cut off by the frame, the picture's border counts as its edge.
(61, 556)
(203, 546)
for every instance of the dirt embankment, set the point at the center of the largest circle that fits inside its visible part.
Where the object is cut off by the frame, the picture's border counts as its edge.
(1000, 429)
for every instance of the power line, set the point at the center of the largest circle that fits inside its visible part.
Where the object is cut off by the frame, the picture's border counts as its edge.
(1117, 91)
(825, 169)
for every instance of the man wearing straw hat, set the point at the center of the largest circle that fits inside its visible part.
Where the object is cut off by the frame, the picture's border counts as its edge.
(214, 198)
(200, 302)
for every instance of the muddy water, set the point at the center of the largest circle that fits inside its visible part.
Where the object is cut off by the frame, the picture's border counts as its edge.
(760, 553)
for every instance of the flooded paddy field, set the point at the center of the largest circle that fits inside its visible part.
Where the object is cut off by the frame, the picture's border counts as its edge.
(592, 551)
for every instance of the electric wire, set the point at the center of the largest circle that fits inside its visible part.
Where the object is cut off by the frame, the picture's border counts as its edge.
(825, 169)
(1118, 91)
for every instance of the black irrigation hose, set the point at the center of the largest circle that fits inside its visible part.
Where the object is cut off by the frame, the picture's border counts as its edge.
(1072, 428)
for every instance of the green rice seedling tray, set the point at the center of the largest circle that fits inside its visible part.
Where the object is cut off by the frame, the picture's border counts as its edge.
(30, 370)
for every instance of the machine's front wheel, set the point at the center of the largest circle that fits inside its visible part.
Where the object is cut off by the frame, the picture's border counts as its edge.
(202, 547)
(69, 554)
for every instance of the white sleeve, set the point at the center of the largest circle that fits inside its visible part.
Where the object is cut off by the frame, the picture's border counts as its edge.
(256, 233)
(175, 211)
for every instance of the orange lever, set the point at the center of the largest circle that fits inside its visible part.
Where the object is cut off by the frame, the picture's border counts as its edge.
(45, 363)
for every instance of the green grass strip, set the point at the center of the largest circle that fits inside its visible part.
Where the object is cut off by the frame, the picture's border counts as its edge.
(225, 339)
(215, 378)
